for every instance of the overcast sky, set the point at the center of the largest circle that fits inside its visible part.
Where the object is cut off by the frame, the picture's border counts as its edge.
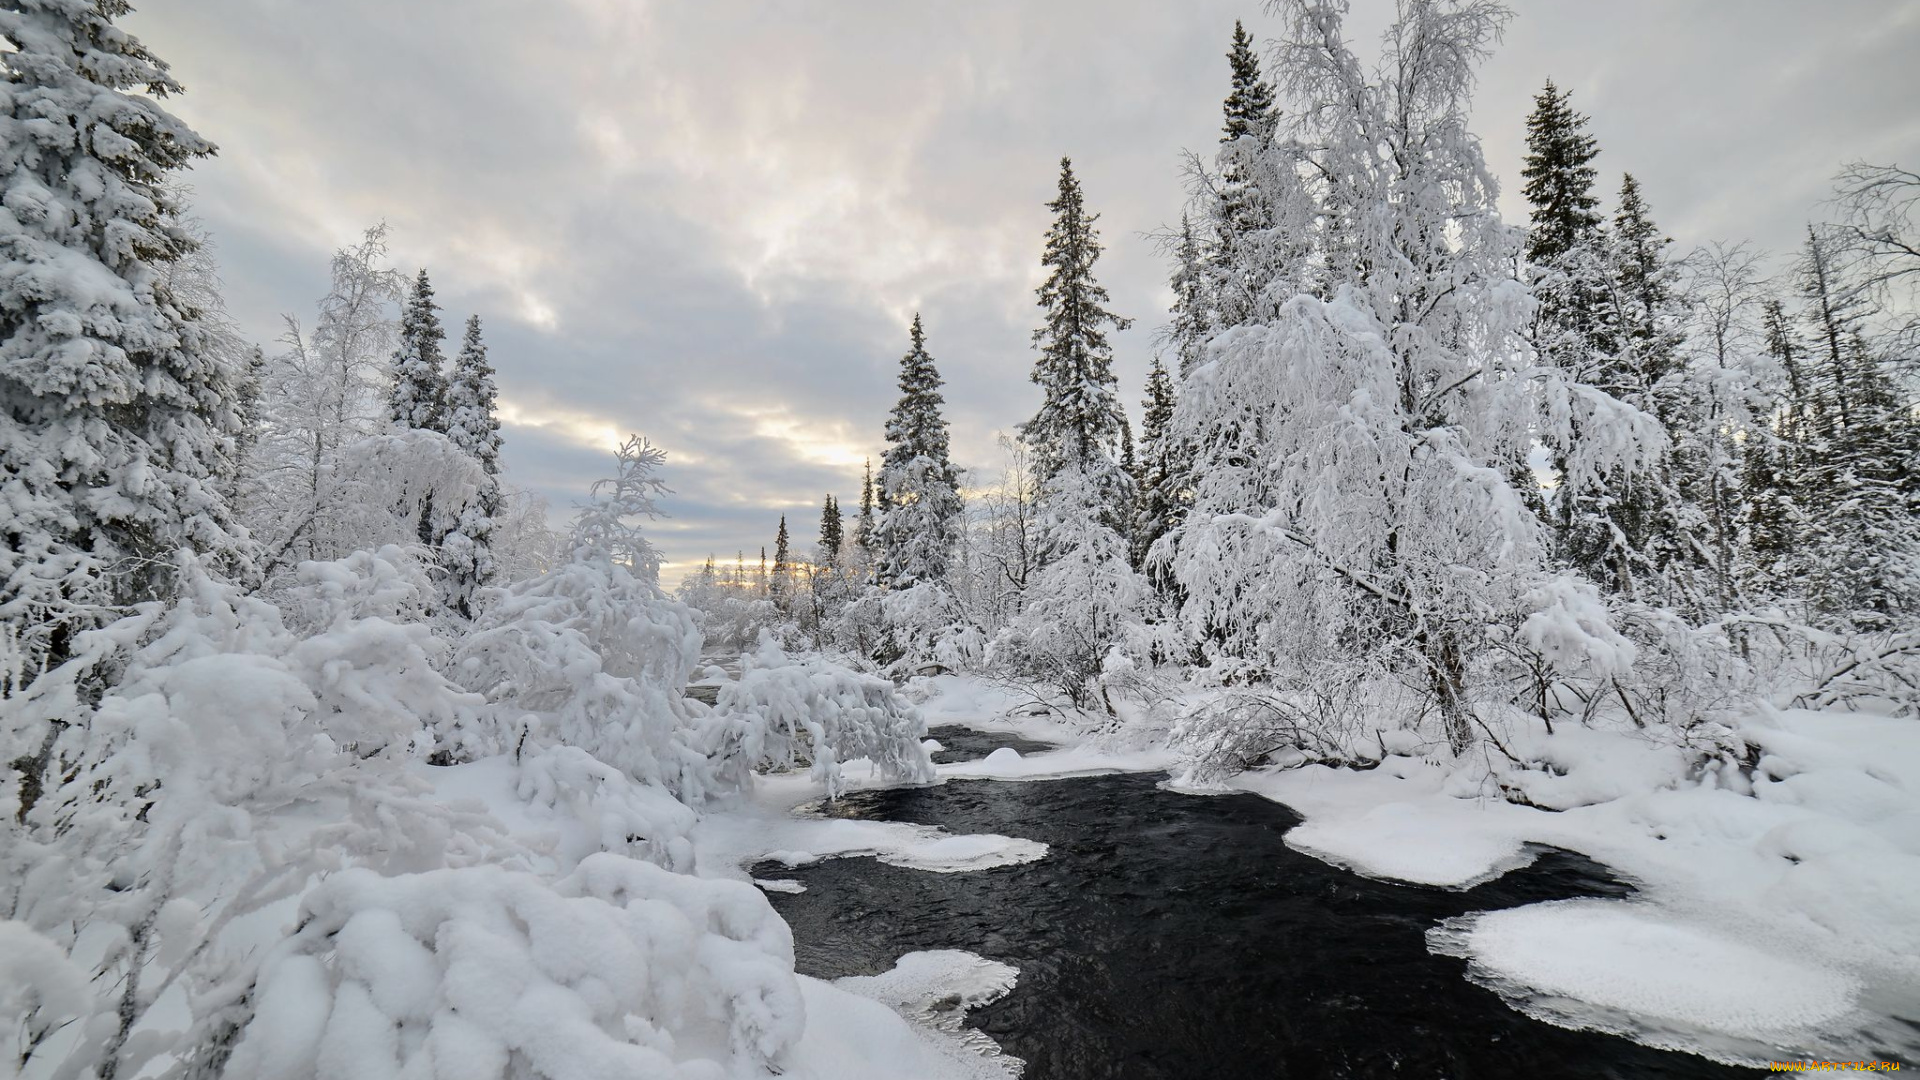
(710, 222)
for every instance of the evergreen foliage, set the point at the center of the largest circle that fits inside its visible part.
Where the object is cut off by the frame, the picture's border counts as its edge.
(1080, 420)
(919, 495)
(418, 395)
(116, 413)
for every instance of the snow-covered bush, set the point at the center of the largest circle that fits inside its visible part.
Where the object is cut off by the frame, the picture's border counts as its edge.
(784, 711)
(592, 654)
(619, 969)
(1085, 600)
(147, 773)
(618, 815)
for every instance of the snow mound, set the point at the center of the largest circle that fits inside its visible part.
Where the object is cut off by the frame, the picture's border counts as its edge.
(1622, 967)
(916, 847)
(621, 969)
(1006, 763)
(780, 885)
(1424, 844)
(938, 988)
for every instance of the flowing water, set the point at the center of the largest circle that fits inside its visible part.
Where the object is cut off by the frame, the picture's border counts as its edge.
(1177, 936)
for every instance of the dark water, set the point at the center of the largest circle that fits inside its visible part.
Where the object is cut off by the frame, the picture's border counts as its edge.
(1177, 936)
(966, 744)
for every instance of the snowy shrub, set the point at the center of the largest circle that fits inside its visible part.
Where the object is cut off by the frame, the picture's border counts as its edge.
(784, 711)
(592, 654)
(620, 969)
(618, 814)
(600, 659)
(1083, 602)
(1337, 714)
(922, 625)
(148, 771)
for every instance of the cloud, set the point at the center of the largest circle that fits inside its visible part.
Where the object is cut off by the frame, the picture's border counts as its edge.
(711, 222)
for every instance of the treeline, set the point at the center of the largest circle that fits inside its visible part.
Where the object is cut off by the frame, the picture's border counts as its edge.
(1400, 458)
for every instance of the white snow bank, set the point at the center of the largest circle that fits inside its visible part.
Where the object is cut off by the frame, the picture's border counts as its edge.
(1434, 844)
(621, 968)
(1007, 763)
(852, 1037)
(917, 847)
(1650, 977)
(937, 989)
(1396, 822)
(1813, 854)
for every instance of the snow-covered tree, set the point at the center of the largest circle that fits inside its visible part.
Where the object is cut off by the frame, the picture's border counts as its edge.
(919, 495)
(780, 585)
(1366, 512)
(116, 407)
(1862, 560)
(417, 396)
(1085, 594)
(864, 525)
(467, 552)
(1160, 478)
(1080, 419)
(320, 395)
(832, 532)
(1240, 211)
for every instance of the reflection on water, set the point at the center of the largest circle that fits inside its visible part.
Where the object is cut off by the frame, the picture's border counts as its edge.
(1177, 936)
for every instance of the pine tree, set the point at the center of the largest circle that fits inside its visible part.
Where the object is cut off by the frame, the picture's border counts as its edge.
(1157, 509)
(780, 585)
(1240, 267)
(1856, 451)
(1085, 593)
(919, 489)
(863, 526)
(831, 533)
(473, 426)
(418, 397)
(1079, 422)
(116, 413)
(1559, 175)
(1249, 106)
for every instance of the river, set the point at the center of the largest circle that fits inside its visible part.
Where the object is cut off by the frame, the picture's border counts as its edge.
(1177, 936)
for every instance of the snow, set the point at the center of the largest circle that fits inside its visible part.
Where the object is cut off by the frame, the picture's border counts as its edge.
(740, 839)
(1769, 906)
(1006, 763)
(852, 1037)
(1561, 959)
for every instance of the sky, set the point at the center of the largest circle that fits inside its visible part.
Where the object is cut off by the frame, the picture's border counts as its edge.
(711, 222)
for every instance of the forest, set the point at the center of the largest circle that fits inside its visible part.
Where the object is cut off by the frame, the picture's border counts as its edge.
(327, 751)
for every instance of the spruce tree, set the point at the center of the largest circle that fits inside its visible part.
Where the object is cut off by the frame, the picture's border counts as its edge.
(1190, 328)
(1249, 107)
(1559, 175)
(1857, 446)
(417, 399)
(1157, 508)
(1240, 268)
(1084, 593)
(418, 396)
(473, 427)
(779, 586)
(863, 526)
(116, 407)
(831, 532)
(1079, 422)
(919, 489)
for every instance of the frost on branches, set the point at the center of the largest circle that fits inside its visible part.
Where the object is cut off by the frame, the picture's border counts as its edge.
(592, 654)
(1358, 453)
(784, 712)
(115, 410)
